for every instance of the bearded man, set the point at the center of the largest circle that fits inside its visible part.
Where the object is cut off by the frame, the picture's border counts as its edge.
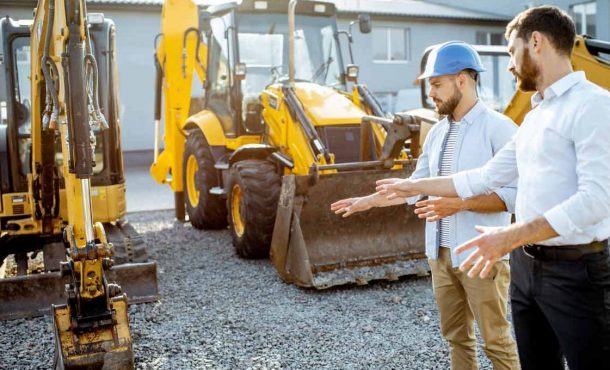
(560, 289)
(466, 138)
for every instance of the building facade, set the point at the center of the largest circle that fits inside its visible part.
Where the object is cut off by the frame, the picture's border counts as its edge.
(389, 57)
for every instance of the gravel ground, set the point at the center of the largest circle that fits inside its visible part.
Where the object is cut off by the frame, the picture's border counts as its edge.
(220, 312)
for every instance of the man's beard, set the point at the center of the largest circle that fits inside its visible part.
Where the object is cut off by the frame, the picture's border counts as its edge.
(445, 108)
(526, 79)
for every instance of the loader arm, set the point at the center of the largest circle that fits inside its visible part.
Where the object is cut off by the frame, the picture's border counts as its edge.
(180, 54)
(92, 329)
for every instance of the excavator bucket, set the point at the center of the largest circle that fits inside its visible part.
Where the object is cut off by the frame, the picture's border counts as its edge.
(314, 247)
(33, 295)
(108, 347)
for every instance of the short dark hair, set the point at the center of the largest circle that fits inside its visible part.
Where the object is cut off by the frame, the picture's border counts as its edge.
(549, 20)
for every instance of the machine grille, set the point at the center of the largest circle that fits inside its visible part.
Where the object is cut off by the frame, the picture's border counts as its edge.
(18, 209)
(343, 141)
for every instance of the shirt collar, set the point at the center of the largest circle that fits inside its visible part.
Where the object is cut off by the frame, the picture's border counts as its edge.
(474, 112)
(559, 87)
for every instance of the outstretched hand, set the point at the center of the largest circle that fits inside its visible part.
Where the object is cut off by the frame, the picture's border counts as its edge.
(396, 188)
(350, 206)
(435, 209)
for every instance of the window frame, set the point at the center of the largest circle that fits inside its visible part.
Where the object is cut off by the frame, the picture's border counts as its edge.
(407, 46)
(583, 16)
(488, 37)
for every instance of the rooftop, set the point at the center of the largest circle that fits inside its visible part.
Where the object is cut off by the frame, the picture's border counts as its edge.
(403, 8)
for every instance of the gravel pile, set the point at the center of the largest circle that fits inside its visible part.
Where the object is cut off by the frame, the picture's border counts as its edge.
(220, 312)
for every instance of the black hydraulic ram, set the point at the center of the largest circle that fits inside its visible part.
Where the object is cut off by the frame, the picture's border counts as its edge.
(296, 111)
(370, 101)
(81, 158)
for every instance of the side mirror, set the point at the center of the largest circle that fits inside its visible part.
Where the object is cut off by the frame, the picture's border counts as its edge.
(204, 21)
(351, 74)
(240, 71)
(364, 22)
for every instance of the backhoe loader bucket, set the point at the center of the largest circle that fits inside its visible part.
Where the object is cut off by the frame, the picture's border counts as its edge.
(33, 295)
(314, 247)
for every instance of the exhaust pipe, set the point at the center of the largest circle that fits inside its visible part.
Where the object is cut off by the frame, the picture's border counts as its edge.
(291, 28)
(158, 94)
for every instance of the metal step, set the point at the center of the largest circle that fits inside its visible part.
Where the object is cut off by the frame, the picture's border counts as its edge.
(217, 190)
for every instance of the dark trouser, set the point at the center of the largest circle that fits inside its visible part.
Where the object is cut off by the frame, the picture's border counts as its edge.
(561, 308)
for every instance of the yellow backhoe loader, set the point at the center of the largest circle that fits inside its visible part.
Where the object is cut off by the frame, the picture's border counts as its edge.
(276, 136)
(60, 133)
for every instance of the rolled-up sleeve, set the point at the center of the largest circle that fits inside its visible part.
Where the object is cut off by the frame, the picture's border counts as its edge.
(591, 202)
(508, 194)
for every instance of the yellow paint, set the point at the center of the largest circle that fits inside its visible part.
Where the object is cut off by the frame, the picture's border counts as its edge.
(191, 186)
(238, 222)
(177, 16)
(326, 106)
(209, 124)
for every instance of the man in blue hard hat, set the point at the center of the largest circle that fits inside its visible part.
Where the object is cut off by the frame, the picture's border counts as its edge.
(468, 136)
(560, 259)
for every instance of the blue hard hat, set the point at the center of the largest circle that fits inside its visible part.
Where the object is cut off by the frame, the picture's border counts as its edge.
(451, 58)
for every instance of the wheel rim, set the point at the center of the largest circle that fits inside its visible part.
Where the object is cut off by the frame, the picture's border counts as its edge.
(191, 183)
(238, 223)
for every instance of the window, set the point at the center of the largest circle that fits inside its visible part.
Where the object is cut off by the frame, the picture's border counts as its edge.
(386, 100)
(391, 44)
(584, 17)
(490, 38)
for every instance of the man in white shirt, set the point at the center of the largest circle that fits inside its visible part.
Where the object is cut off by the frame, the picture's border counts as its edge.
(560, 287)
(467, 138)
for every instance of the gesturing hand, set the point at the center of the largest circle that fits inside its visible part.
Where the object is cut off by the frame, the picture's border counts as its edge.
(435, 209)
(396, 188)
(350, 206)
(489, 247)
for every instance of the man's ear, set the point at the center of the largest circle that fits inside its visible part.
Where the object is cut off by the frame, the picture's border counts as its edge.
(461, 79)
(536, 41)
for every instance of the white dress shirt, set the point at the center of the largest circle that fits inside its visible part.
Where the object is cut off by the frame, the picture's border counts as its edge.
(561, 156)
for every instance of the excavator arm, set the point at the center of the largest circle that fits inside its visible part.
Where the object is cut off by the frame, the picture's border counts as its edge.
(92, 329)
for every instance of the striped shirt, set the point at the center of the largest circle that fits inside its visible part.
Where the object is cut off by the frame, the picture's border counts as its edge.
(445, 226)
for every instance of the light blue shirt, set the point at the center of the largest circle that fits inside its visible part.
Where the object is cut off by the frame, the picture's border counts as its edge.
(483, 132)
(561, 157)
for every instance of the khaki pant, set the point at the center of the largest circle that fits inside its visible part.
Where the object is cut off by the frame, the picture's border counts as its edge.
(461, 300)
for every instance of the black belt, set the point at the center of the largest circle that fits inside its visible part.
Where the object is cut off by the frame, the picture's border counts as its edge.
(563, 252)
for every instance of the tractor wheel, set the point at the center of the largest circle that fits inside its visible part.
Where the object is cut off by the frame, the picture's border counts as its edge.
(205, 211)
(252, 203)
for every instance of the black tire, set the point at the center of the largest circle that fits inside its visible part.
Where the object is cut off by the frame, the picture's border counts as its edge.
(209, 211)
(259, 185)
